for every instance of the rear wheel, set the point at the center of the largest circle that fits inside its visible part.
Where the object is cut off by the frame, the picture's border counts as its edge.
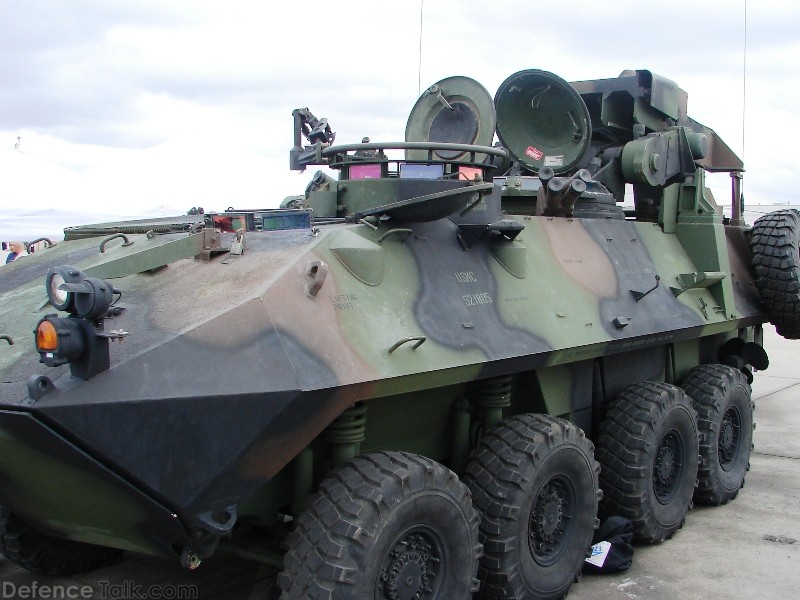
(386, 526)
(30, 549)
(647, 448)
(535, 482)
(721, 396)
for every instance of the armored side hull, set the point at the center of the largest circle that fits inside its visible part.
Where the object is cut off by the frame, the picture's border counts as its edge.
(232, 367)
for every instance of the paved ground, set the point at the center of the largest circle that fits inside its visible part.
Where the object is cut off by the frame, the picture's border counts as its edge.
(749, 548)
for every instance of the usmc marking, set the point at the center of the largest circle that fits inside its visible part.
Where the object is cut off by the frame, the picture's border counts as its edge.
(465, 277)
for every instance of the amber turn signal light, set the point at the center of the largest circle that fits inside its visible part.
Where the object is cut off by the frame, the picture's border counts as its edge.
(60, 341)
(46, 337)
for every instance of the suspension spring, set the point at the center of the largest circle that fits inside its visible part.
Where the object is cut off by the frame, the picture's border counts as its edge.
(346, 433)
(493, 396)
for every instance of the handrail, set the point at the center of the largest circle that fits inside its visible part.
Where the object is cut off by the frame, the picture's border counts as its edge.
(491, 150)
(126, 241)
(48, 243)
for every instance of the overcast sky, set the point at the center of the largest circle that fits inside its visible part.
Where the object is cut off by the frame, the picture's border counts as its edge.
(86, 83)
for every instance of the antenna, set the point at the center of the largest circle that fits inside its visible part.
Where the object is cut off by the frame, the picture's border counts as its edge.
(419, 66)
(744, 76)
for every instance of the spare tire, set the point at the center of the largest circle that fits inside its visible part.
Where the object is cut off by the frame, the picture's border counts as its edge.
(776, 260)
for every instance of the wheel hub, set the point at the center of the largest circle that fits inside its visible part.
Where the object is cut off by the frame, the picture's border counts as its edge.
(729, 433)
(549, 522)
(667, 467)
(666, 464)
(409, 570)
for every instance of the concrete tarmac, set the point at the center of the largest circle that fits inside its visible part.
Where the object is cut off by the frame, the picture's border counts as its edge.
(750, 547)
(745, 549)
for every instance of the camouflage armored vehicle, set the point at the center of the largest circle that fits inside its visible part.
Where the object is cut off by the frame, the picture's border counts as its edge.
(427, 377)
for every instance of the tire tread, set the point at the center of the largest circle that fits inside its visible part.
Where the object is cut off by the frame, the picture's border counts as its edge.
(496, 471)
(775, 259)
(623, 447)
(707, 386)
(330, 541)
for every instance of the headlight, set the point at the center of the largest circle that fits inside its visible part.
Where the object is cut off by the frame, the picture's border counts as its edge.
(80, 339)
(70, 290)
(60, 298)
(93, 297)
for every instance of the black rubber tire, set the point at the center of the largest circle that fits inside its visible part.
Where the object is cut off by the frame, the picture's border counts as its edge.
(385, 523)
(34, 551)
(535, 482)
(724, 407)
(775, 257)
(648, 451)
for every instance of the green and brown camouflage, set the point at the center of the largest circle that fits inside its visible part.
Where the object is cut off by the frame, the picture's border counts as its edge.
(407, 307)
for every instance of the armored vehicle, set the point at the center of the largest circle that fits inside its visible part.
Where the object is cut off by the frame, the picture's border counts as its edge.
(427, 377)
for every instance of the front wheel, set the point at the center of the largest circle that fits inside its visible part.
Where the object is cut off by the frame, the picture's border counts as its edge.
(647, 448)
(386, 526)
(535, 482)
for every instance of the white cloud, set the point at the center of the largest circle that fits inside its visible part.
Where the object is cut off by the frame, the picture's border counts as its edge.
(94, 83)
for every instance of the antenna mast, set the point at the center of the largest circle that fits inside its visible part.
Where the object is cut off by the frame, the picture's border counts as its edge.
(419, 66)
(744, 76)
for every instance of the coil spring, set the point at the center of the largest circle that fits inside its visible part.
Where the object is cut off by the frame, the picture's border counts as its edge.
(350, 427)
(495, 393)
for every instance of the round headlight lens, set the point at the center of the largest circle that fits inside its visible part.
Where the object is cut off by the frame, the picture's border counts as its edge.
(56, 277)
(60, 296)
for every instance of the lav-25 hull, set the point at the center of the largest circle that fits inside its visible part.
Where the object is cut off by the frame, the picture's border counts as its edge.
(260, 373)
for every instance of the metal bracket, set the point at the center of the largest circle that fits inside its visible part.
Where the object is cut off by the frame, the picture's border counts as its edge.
(639, 295)
(688, 281)
(39, 386)
(317, 271)
(237, 247)
(621, 322)
(435, 89)
(207, 522)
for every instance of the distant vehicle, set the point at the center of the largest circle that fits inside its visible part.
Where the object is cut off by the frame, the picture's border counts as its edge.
(426, 378)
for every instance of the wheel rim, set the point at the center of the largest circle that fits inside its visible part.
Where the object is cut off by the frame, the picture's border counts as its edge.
(668, 467)
(729, 438)
(550, 524)
(412, 568)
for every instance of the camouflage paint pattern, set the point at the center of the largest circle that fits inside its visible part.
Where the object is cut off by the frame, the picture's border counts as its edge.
(233, 366)
(233, 361)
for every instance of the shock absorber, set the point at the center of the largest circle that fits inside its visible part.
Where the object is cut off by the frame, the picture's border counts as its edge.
(459, 435)
(493, 396)
(346, 433)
